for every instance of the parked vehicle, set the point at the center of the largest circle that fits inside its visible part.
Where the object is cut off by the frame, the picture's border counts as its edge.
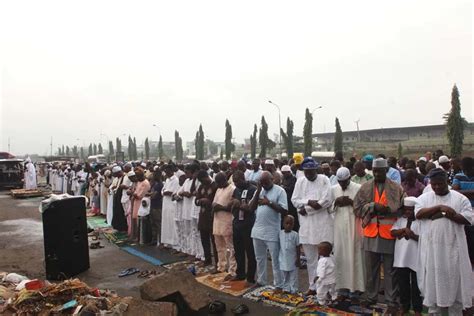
(11, 173)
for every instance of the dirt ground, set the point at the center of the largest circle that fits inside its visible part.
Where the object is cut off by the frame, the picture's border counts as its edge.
(21, 251)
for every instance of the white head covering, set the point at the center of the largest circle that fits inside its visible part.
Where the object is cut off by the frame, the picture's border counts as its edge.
(155, 168)
(422, 159)
(409, 201)
(143, 165)
(107, 173)
(379, 163)
(343, 174)
(116, 169)
(130, 174)
(443, 159)
(269, 162)
(285, 168)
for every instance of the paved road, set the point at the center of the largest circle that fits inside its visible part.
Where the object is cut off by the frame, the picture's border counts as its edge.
(21, 251)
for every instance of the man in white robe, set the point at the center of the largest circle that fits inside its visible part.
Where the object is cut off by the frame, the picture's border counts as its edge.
(126, 184)
(188, 206)
(444, 269)
(312, 197)
(30, 175)
(168, 230)
(347, 236)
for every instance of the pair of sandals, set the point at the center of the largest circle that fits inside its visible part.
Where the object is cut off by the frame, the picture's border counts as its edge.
(147, 274)
(218, 307)
(128, 272)
(96, 245)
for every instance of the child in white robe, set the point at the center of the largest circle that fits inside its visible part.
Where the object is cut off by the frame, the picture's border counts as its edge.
(289, 257)
(325, 274)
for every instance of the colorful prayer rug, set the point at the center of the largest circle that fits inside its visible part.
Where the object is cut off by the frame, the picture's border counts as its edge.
(267, 295)
(94, 222)
(345, 308)
(216, 281)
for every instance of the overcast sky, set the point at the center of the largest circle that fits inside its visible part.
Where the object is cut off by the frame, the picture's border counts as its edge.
(74, 70)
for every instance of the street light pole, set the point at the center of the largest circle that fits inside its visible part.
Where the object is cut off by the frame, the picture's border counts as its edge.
(316, 108)
(279, 120)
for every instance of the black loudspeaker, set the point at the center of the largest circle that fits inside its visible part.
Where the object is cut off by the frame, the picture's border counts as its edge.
(66, 247)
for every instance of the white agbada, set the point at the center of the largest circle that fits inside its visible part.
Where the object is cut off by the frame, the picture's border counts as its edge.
(30, 175)
(110, 202)
(187, 206)
(168, 231)
(318, 225)
(347, 243)
(444, 269)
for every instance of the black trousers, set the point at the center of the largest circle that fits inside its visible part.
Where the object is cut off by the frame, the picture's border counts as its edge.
(409, 292)
(243, 247)
(207, 239)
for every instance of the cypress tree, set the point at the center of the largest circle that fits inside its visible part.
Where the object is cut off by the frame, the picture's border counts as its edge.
(288, 137)
(118, 144)
(178, 145)
(100, 149)
(200, 144)
(263, 138)
(135, 153)
(455, 124)
(253, 142)
(90, 152)
(111, 148)
(308, 133)
(130, 148)
(147, 149)
(95, 149)
(229, 147)
(82, 153)
(338, 137)
(160, 148)
(67, 151)
(400, 150)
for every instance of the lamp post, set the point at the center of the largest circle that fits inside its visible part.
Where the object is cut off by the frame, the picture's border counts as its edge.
(279, 120)
(316, 108)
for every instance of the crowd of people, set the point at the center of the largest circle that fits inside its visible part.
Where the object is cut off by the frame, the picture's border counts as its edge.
(357, 223)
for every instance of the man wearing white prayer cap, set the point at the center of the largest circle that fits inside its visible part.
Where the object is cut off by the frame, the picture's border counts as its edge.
(347, 237)
(378, 204)
(30, 175)
(313, 199)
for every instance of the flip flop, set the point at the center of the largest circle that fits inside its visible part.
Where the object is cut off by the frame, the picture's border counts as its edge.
(96, 245)
(240, 309)
(128, 272)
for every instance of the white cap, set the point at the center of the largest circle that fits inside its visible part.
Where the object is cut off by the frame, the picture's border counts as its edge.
(379, 163)
(143, 165)
(443, 159)
(131, 174)
(269, 162)
(116, 169)
(343, 174)
(422, 159)
(409, 201)
(285, 168)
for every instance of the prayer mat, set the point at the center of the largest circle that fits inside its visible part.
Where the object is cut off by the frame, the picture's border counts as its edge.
(266, 295)
(94, 222)
(216, 281)
(153, 254)
(345, 308)
(116, 237)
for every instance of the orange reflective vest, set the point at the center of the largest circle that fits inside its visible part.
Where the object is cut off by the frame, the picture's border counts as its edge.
(380, 225)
